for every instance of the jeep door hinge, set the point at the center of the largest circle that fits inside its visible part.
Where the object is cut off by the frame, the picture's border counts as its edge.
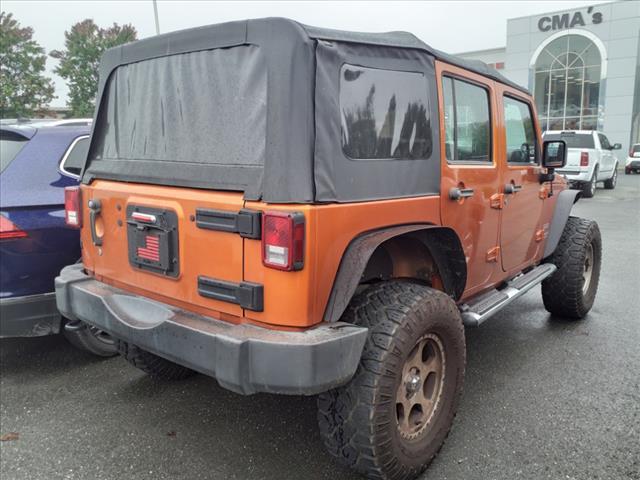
(497, 201)
(493, 254)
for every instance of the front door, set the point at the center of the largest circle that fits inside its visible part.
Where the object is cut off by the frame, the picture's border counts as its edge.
(519, 151)
(470, 171)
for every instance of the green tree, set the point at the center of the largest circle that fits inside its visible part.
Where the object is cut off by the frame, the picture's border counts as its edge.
(79, 61)
(24, 89)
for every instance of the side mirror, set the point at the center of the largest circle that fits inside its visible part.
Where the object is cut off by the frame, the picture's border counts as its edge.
(554, 154)
(616, 146)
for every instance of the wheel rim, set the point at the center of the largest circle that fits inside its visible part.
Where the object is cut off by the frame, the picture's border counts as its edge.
(614, 178)
(592, 187)
(101, 336)
(421, 386)
(587, 272)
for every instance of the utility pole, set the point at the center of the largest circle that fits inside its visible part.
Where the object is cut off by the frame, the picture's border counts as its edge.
(155, 11)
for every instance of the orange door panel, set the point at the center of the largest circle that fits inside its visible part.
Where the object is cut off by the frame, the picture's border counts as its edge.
(519, 145)
(475, 218)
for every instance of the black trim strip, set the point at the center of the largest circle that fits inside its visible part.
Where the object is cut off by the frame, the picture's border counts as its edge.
(246, 294)
(248, 223)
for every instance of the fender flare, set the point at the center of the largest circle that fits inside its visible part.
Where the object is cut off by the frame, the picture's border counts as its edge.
(442, 242)
(564, 203)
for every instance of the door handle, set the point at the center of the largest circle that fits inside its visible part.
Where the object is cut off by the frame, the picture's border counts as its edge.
(459, 193)
(95, 206)
(510, 188)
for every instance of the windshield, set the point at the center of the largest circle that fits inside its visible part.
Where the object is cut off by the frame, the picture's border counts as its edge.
(573, 140)
(10, 146)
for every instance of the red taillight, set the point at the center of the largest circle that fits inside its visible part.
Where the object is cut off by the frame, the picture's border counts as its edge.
(283, 240)
(8, 230)
(72, 207)
(584, 159)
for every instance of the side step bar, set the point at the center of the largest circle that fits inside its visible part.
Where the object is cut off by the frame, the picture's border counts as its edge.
(481, 308)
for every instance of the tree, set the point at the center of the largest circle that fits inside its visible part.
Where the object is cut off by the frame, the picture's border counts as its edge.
(84, 45)
(24, 89)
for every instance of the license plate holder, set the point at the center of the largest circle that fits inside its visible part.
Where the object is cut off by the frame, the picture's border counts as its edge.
(152, 238)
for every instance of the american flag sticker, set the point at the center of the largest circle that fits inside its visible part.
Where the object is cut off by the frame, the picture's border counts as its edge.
(151, 249)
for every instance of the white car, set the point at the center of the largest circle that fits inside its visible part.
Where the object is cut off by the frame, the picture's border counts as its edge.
(633, 160)
(590, 159)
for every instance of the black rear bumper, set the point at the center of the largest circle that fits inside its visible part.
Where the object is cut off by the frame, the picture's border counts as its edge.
(243, 358)
(29, 316)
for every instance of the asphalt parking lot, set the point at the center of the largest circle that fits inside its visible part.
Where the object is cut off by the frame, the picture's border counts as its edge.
(544, 398)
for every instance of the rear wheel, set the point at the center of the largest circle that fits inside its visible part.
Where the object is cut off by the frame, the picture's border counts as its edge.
(571, 290)
(153, 365)
(589, 188)
(90, 339)
(391, 419)
(610, 184)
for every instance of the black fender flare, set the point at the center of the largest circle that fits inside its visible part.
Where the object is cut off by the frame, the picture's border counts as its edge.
(564, 203)
(442, 242)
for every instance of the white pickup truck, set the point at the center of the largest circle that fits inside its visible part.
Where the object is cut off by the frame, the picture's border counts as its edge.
(590, 159)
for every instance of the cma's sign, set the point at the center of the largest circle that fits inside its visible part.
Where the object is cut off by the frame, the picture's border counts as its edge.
(569, 20)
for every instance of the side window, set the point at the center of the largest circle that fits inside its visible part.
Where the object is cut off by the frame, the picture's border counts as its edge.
(74, 158)
(604, 142)
(384, 114)
(520, 132)
(467, 122)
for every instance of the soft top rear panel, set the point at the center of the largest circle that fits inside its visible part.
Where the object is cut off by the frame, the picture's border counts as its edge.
(224, 107)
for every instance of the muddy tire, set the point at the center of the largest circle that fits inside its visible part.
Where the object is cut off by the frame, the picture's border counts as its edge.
(610, 183)
(392, 418)
(153, 365)
(92, 340)
(571, 290)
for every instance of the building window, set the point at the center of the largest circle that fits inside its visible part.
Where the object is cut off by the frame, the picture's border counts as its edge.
(567, 84)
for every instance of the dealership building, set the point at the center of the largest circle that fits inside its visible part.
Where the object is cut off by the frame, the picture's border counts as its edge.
(582, 66)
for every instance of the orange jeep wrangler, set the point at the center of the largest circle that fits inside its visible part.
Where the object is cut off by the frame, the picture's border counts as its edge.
(297, 210)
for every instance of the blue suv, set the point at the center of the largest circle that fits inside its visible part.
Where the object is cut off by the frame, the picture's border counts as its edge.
(36, 162)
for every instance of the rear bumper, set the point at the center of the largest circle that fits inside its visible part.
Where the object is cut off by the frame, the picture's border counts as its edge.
(29, 316)
(244, 358)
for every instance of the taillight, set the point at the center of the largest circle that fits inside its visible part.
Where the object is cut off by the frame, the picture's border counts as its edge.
(72, 207)
(9, 230)
(283, 240)
(584, 159)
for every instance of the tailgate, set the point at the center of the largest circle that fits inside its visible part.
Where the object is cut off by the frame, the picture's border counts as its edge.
(573, 158)
(151, 240)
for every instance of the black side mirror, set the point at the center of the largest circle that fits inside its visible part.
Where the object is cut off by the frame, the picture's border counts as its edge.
(554, 154)
(616, 146)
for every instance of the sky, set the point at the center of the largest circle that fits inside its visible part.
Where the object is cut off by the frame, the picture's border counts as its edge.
(451, 26)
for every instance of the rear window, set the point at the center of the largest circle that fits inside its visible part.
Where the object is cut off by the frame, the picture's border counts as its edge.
(206, 107)
(385, 114)
(10, 145)
(74, 159)
(573, 140)
(636, 148)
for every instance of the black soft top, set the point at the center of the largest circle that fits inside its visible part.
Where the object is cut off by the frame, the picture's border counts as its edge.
(290, 74)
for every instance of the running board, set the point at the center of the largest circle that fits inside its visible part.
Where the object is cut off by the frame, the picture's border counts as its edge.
(482, 307)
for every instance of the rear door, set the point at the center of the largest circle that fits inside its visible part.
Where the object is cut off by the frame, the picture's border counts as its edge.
(470, 173)
(519, 150)
(607, 158)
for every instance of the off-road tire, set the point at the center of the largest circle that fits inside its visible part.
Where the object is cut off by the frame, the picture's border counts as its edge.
(610, 183)
(563, 293)
(93, 341)
(153, 365)
(589, 188)
(358, 421)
